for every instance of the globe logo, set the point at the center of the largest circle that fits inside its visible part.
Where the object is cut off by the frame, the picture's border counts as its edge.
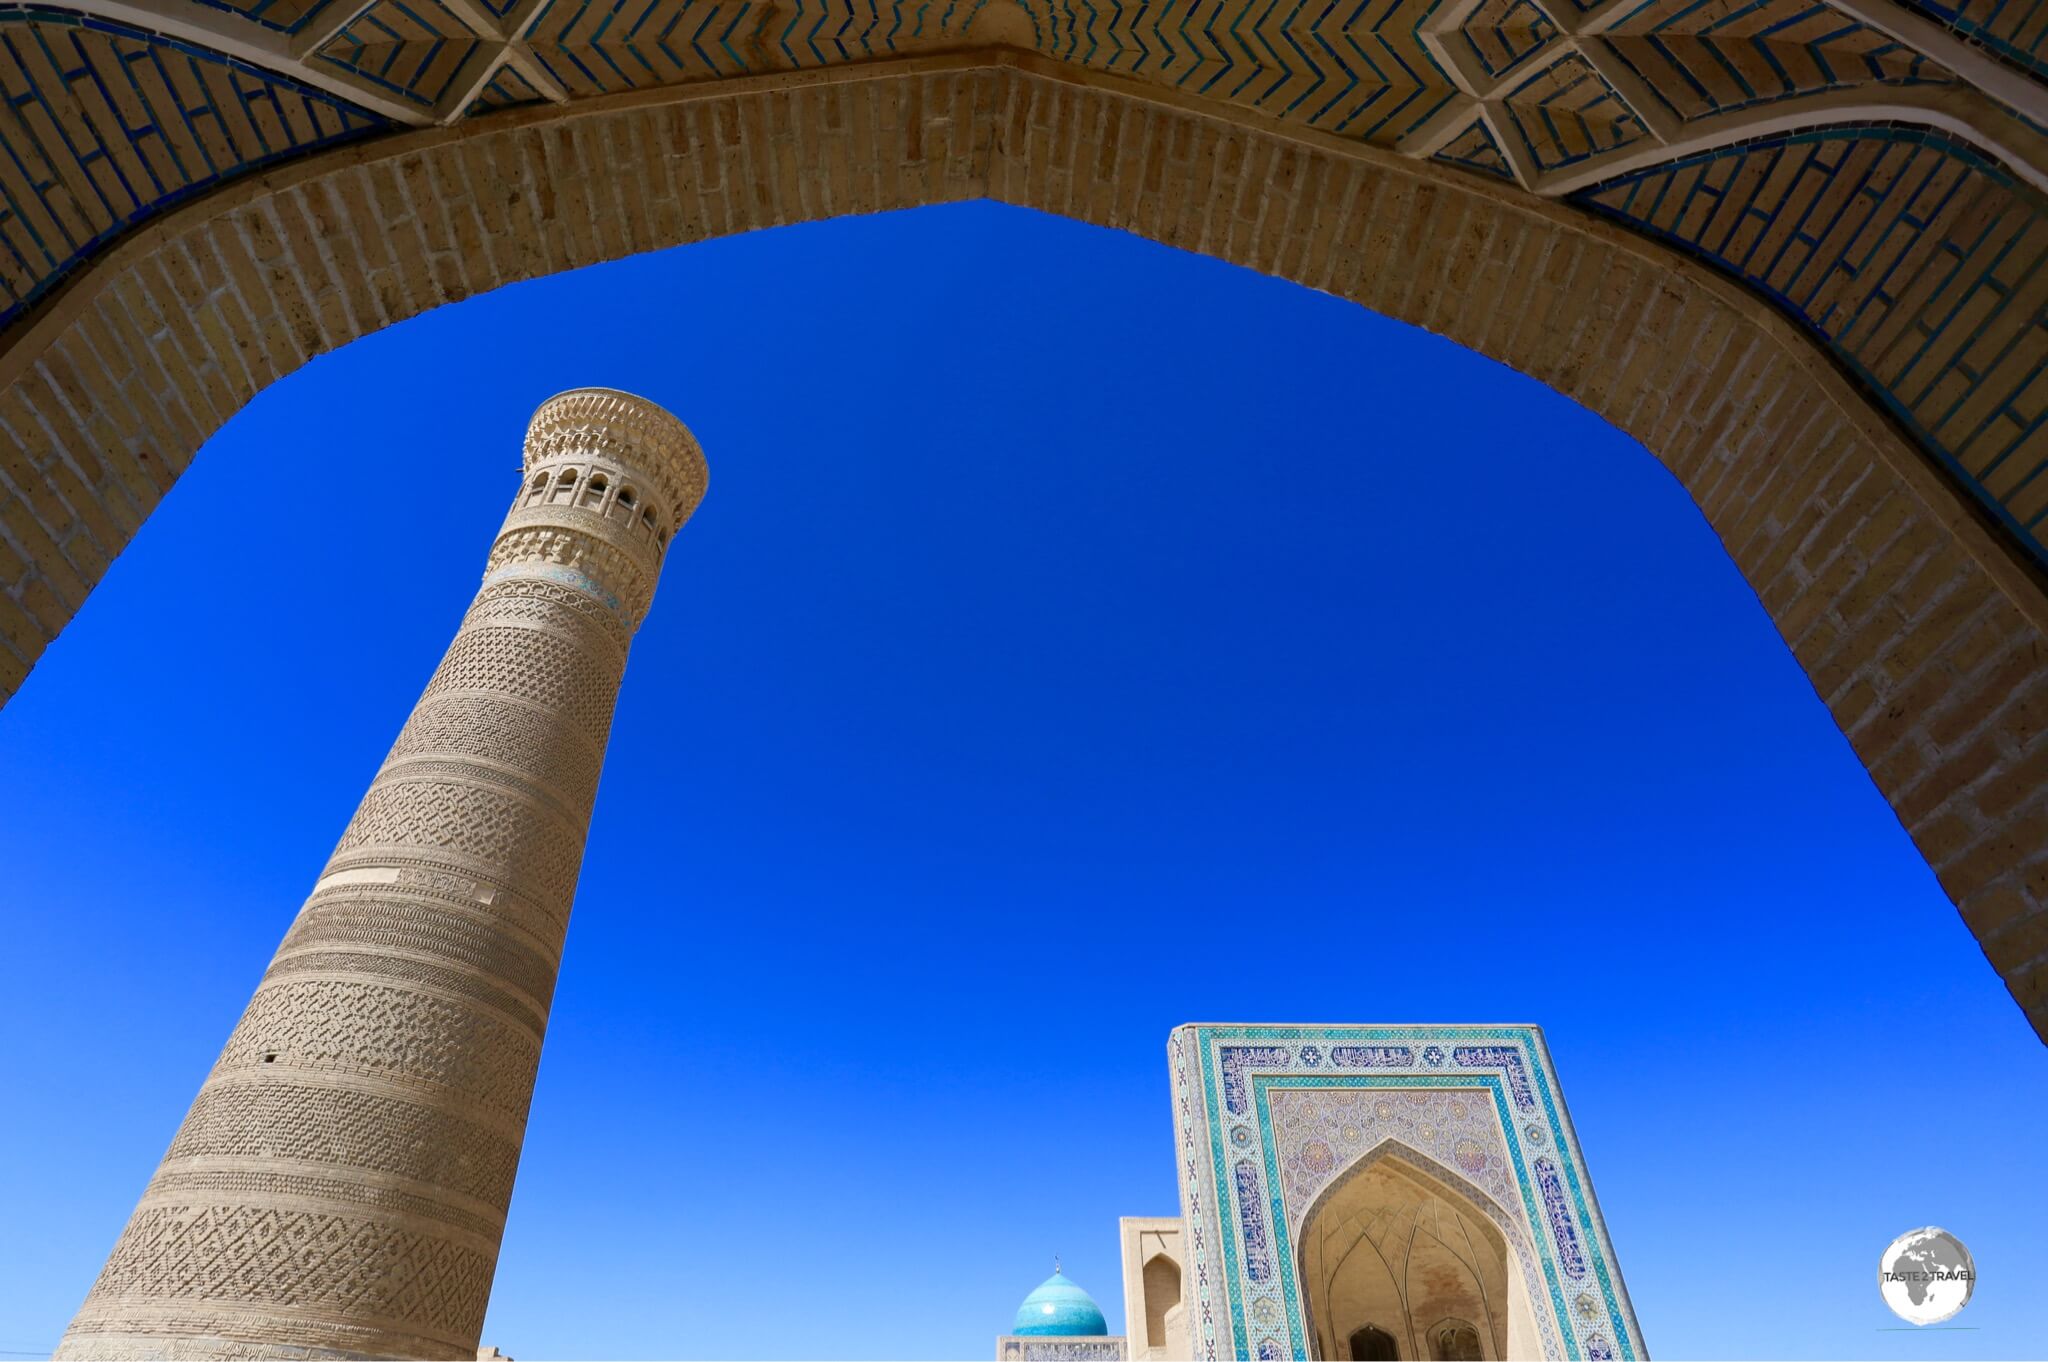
(1926, 1276)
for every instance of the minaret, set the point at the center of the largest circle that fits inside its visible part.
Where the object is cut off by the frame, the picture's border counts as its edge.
(339, 1187)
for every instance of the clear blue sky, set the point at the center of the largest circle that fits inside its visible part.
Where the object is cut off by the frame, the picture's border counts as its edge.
(1079, 638)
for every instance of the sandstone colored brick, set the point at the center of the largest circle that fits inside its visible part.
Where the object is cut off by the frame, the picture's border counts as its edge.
(1927, 641)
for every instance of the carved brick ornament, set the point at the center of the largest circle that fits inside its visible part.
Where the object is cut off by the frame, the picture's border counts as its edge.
(339, 1187)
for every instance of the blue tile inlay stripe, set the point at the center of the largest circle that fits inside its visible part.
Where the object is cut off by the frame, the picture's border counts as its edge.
(1921, 264)
(1707, 56)
(2013, 30)
(1513, 30)
(413, 48)
(286, 16)
(1567, 113)
(1302, 58)
(103, 126)
(1475, 149)
(503, 90)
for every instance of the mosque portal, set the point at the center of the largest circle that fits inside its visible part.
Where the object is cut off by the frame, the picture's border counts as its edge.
(1358, 1192)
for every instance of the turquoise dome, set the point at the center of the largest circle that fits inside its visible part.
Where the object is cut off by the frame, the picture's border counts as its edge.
(1060, 1307)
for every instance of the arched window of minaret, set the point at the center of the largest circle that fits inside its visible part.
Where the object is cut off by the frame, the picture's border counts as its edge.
(1454, 1340)
(593, 491)
(647, 519)
(565, 485)
(538, 490)
(627, 497)
(1373, 1344)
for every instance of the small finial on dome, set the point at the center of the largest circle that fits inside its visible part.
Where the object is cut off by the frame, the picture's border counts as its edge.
(1059, 1307)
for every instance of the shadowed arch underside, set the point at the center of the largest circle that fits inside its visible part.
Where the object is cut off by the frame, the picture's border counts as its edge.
(1402, 1251)
(1923, 626)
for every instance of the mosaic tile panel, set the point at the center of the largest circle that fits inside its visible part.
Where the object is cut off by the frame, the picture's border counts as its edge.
(1475, 149)
(105, 125)
(1918, 262)
(1267, 1118)
(2016, 31)
(1711, 56)
(1566, 113)
(1500, 33)
(413, 48)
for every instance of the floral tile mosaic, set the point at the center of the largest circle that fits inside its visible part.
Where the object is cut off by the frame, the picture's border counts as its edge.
(1269, 1118)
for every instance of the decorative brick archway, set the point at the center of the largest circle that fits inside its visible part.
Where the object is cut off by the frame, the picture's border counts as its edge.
(1923, 627)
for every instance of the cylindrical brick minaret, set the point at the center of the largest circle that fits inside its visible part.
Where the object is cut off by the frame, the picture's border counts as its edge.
(339, 1187)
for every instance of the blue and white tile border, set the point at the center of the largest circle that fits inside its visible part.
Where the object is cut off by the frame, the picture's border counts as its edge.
(1245, 1298)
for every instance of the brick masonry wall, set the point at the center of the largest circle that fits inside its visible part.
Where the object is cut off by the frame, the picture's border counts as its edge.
(1926, 637)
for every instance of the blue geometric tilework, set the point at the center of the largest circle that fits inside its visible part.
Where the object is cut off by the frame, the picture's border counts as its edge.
(286, 16)
(1502, 32)
(1264, 1127)
(2014, 30)
(595, 47)
(504, 89)
(1359, 69)
(103, 126)
(1475, 149)
(1920, 263)
(1567, 112)
(413, 48)
(1711, 56)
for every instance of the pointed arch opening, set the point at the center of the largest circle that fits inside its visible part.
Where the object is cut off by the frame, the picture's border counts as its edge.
(1161, 1283)
(1397, 1262)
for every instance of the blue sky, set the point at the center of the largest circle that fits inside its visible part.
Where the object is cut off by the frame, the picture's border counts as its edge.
(1079, 638)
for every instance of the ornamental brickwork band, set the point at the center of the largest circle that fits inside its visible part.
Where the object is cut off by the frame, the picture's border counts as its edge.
(339, 1187)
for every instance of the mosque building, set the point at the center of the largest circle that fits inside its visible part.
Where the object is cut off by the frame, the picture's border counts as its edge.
(1357, 1192)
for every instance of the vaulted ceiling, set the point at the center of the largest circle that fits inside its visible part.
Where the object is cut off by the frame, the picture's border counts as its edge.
(1874, 168)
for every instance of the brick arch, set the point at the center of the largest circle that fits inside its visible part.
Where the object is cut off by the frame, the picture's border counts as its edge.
(1923, 632)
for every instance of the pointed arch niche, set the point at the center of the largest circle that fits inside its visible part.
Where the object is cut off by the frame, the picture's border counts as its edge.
(1388, 1191)
(1401, 1259)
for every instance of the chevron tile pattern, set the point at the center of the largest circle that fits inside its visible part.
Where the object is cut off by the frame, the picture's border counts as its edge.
(1475, 149)
(1360, 69)
(1710, 56)
(286, 16)
(1567, 112)
(1500, 33)
(413, 48)
(1919, 262)
(505, 89)
(1930, 294)
(594, 48)
(105, 126)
